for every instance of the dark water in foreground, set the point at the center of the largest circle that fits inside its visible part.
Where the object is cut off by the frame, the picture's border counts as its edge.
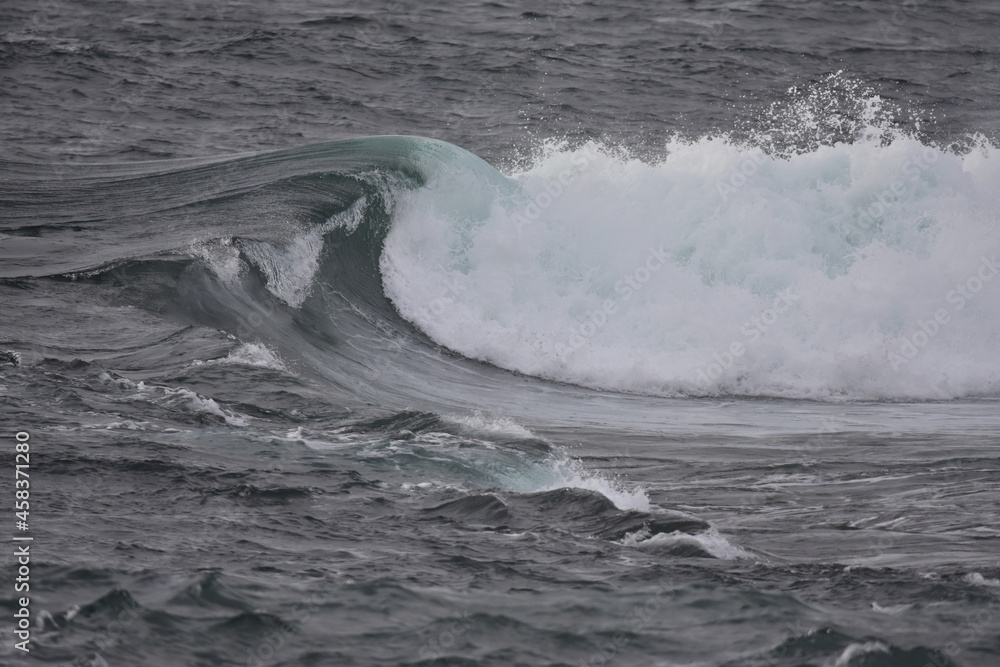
(705, 374)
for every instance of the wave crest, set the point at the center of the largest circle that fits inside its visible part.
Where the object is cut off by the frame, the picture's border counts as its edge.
(859, 265)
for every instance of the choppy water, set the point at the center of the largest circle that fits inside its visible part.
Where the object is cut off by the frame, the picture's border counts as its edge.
(491, 334)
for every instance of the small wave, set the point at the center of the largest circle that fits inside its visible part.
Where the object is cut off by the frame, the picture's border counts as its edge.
(977, 579)
(130, 425)
(254, 495)
(167, 397)
(892, 610)
(707, 543)
(179, 397)
(471, 456)
(485, 508)
(479, 422)
(570, 473)
(257, 355)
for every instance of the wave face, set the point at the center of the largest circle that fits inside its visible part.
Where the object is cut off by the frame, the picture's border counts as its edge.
(863, 268)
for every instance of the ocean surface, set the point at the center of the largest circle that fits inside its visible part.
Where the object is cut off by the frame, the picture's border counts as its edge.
(497, 333)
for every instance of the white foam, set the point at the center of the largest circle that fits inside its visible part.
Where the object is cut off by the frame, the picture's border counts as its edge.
(289, 268)
(822, 270)
(977, 579)
(709, 540)
(252, 354)
(324, 441)
(570, 473)
(495, 424)
(223, 257)
(120, 382)
(172, 397)
(432, 486)
(892, 610)
(129, 425)
(856, 650)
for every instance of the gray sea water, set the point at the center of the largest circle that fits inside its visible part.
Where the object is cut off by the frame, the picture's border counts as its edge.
(395, 334)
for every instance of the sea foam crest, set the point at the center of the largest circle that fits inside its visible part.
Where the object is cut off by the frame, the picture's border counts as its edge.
(289, 268)
(836, 258)
(252, 354)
